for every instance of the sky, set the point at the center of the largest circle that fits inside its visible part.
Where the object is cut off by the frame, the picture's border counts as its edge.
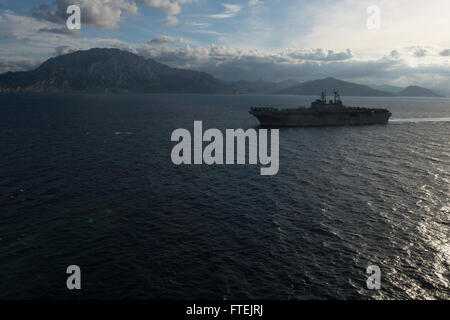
(396, 42)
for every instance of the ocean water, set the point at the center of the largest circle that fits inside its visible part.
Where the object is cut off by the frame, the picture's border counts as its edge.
(87, 180)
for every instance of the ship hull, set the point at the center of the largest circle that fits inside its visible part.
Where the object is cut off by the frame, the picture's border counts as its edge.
(312, 119)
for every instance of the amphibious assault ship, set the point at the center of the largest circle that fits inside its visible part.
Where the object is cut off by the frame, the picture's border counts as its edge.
(321, 113)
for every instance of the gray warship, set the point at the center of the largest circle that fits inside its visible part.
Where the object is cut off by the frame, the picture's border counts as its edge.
(321, 113)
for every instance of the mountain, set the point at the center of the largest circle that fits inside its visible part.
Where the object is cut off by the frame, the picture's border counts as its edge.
(411, 91)
(261, 86)
(442, 92)
(114, 70)
(287, 84)
(416, 91)
(329, 84)
(109, 70)
(387, 88)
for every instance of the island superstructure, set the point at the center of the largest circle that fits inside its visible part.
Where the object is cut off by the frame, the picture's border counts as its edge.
(321, 113)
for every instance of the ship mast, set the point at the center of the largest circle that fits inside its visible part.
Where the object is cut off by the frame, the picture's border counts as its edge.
(337, 98)
(323, 97)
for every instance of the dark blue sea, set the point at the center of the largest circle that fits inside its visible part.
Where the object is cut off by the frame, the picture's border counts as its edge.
(88, 180)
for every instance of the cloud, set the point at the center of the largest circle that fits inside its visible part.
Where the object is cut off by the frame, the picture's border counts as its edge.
(394, 54)
(172, 8)
(102, 14)
(218, 54)
(63, 50)
(445, 53)
(229, 63)
(420, 52)
(186, 57)
(162, 40)
(9, 36)
(338, 24)
(106, 14)
(195, 24)
(61, 31)
(167, 6)
(321, 55)
(231, 10)
(18, 27)
(202, 31)
(254, 2)
(15, 64)
(171, 21)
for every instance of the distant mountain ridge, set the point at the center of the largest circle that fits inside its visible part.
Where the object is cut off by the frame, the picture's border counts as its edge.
(387, 88)
(411, 91)
(330, 84)
(353, 89)
(113, 70)
(261, 86)
(416, 91)
(109, 70)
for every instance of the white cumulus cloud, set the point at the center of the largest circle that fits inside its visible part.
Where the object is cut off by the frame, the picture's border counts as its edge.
(103, 14)
(231, 10)
(163, 40)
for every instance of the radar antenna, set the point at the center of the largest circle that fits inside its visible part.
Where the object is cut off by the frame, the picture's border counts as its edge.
(337, 97)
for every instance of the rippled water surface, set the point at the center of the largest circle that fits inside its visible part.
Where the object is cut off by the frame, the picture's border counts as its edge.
(88, 180)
